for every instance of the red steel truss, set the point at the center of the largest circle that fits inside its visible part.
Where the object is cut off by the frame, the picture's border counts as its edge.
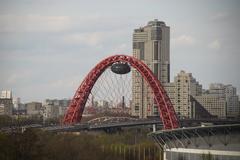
(165, 107)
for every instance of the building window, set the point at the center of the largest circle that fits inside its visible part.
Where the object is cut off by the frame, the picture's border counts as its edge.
(156, 50)
(140, 46)
(156, 33)
(136, 108)
(155, 70)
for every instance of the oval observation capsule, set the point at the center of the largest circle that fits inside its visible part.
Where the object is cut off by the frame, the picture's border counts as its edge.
(120, 68)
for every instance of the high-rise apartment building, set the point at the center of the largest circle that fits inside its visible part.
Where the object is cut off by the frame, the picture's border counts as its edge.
(181, 92)
(185, 87)
(150, 45)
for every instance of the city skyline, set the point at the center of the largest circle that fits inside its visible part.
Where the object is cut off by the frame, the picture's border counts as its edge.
(43, 48)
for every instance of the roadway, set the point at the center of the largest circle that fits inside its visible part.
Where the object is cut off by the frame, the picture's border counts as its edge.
(112, 125)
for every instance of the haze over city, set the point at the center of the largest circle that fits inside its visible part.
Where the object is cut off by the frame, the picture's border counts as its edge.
(48, 46)
(122, 80)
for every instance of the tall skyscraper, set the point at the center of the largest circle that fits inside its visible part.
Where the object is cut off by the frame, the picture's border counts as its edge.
(151, 45)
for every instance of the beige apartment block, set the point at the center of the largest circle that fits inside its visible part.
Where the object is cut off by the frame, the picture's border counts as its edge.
(150, 45)
(213, 104)
(229, 94)
(191, 101)
(184, 86)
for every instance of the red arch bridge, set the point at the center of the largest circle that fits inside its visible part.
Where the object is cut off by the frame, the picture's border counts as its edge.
(165, 107)
(194, 141)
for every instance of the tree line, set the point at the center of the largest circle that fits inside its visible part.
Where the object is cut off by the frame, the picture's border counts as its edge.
(34, 144)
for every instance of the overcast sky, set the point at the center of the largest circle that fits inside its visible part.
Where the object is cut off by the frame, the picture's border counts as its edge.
(48, 46)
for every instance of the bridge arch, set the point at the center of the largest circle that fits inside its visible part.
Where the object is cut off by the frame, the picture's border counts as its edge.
(165, 107)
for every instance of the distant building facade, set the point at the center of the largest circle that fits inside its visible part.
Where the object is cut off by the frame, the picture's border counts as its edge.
(191, 101)
(34, 108)
(6, 104)
(214, 105)
(182, 92)
(18, 107)
(103, 103)
(227, 93)
(150, 45)
(53, 108)
(185, 87)
(232, 99)
(6, 95)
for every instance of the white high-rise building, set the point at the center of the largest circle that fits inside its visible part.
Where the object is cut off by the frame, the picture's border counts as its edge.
(150, 45)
